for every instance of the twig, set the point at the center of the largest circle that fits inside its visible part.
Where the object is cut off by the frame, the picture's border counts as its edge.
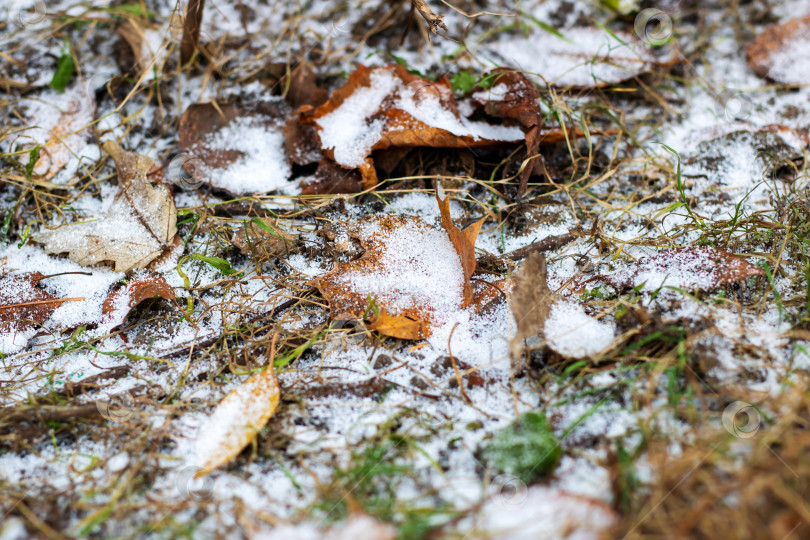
(546, 244)
(434, 21)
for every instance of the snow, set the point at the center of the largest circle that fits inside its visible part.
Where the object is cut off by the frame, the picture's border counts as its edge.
(790, 63)
(582, 57)
(573, 333)
(262, 166)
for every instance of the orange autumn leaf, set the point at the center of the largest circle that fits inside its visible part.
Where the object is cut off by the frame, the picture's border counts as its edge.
(463, 242)
(398, 326)
(777, 52)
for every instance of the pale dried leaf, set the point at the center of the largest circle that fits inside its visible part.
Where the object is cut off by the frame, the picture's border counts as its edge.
(139, 224)
(531, 302)
(237, 420)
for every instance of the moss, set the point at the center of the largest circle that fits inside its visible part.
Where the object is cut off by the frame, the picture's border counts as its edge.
(526, 448)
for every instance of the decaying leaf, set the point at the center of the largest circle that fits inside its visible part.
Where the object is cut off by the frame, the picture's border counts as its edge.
(262, 240)
(513, 96)
(463, 242)
(23, 306)
(543, 317)
(122, 300)
(139, 224)
(390, 107)
(236, 148)
(530, 302)
(237, 420)
(408, 277)
(701, 268)
(780, 52)
(332, 178)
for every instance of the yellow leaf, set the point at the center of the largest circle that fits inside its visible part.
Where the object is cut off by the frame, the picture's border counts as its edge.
(237, 420)
(399, 326)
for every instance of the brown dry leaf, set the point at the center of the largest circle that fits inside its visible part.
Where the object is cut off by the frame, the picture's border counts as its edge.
(331, 178)
(530, 302)
(513, 96)
(780, 52)
(238, 148)
(390, 107)
(703, 268)
(254, 240)
(463, 242)
(121, 301)
(139, 225)
(237, 420)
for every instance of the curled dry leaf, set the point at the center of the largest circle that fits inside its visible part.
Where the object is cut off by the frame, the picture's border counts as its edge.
(701, 268)
(239, 149)
(140, 222)
(122, 300)
(237, 420)
(780, 52)
(390, 107)
(463, 242)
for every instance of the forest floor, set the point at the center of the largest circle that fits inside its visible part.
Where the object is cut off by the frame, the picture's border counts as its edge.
(296, 213)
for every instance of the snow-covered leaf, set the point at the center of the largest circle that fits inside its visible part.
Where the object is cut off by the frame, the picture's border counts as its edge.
(139, 224)
(237, 420)
(699, 267)
(239, 149)
(780, 52)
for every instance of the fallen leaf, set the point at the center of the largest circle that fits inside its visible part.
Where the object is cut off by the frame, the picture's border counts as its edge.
(543, 317)
(122, 300)
(260, 239)
(390, 107)
(138, 226)
(23, 306)
(237, 420)
(530, 302)
(511, 95)
(701, 268)
(780, 52)
(146, 44)
(237, 148)
(332, 178)
(408, 277)
(463, 242)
